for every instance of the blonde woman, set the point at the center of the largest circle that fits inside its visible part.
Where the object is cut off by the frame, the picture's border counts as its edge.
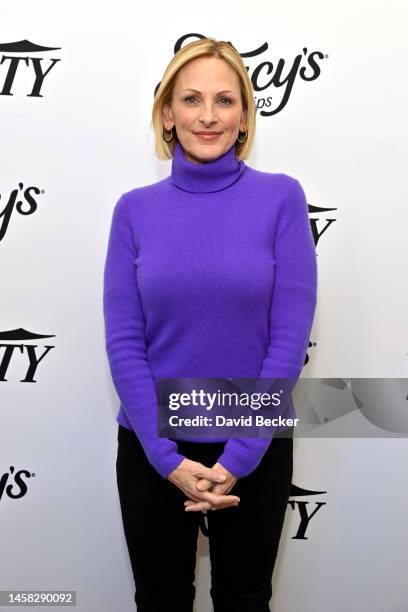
(210, 272)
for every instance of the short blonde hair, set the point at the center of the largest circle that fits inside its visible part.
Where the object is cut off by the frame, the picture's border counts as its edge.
(199, 48)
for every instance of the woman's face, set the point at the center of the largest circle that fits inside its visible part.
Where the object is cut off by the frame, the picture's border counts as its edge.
(206, 98)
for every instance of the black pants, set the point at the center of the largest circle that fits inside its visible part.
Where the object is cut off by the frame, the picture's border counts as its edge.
(162, 537)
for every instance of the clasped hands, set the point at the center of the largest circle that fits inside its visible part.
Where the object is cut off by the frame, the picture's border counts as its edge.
(205, 487)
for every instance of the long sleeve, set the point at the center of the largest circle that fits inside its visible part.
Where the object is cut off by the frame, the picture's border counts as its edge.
(125, 343)
(291, 316)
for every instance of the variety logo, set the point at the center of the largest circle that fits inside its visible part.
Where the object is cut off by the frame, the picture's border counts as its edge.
(13, 483)
(15, 345)
(319, 226)
(12, 65)
(302, 507)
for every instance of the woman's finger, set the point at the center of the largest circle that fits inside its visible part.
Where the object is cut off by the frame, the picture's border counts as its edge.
(206, 506)
(194, 506)
(197, 507)
(204, 485)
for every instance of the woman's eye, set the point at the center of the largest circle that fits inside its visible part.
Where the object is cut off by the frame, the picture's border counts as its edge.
(227, 100)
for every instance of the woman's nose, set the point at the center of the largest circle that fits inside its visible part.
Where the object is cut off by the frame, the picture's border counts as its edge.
(207, 114)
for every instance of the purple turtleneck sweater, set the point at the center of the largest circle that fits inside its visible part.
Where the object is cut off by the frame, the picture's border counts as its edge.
(210, 272)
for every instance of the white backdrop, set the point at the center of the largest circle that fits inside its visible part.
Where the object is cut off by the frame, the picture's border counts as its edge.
(81, 140)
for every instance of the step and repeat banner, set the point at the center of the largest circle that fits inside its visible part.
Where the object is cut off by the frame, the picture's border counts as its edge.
(76, 90)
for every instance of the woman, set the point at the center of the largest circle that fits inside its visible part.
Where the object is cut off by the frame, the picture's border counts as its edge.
(210, 272)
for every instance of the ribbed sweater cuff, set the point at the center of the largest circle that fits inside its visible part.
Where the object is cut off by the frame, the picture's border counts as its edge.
(242, 455)
(162, 456)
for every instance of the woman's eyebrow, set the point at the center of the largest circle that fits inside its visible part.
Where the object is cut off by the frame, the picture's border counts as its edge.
(198, 91)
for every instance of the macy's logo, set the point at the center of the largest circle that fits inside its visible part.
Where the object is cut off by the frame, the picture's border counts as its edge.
(13, 484)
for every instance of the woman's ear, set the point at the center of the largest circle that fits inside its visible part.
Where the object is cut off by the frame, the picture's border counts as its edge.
(242, 124)
(167, 116)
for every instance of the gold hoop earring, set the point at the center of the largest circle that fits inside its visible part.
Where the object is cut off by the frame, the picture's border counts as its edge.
(171, 134)
(246, 136)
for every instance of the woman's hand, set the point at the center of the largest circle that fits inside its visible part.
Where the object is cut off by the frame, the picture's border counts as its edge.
(221, 489)
(189, 473)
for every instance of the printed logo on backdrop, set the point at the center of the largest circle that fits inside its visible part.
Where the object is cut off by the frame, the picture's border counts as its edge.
(320, 221)
(16, 346)
(305, 514)
(307, 357)
(21, 201)
(13, 484)
(268, 73)
(21, 67)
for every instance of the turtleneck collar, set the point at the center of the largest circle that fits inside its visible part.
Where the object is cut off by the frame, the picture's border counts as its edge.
(207, 176)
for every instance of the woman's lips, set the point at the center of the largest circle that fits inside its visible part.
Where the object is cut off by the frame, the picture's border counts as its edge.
(207, 136)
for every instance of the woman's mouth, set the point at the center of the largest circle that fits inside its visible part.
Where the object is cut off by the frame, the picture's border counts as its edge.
(207, 135)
